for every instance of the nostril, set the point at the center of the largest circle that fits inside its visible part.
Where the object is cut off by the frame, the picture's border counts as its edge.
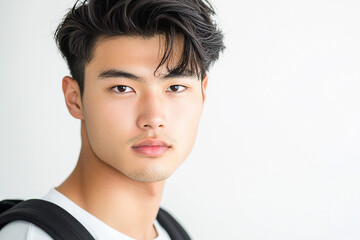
(151, 126)
(149, 122)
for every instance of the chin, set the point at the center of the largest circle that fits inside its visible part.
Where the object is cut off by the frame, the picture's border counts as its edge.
(150, 175)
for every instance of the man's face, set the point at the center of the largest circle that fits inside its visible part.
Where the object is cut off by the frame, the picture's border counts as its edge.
(141, 124)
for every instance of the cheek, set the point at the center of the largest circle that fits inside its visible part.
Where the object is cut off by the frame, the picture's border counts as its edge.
(108, 122)
(185, 121)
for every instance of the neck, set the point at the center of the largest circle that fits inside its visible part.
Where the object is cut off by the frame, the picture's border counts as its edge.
(122, 203)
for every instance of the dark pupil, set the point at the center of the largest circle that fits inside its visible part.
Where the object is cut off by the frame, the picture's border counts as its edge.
(174, 88)
(121, 88)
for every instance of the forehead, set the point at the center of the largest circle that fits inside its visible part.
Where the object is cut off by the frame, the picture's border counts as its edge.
(134, 53)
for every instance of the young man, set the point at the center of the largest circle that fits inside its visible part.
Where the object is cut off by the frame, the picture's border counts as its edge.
(138, 85)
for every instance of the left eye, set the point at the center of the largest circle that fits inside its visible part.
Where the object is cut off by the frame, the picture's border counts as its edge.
(176, 88)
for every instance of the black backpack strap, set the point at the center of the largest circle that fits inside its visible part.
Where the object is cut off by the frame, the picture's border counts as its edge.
(51, 218)
(172, 227)
(61, 225)
(8, 203)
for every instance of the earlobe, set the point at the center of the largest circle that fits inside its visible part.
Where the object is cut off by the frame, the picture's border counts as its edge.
(204, 86)
(72, 97)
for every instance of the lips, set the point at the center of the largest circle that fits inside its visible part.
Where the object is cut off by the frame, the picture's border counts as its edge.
(151, 147)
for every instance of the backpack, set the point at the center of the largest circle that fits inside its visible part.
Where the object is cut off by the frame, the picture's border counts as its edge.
(61, 225)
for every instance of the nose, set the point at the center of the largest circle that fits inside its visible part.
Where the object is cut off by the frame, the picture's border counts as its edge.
(152, 113)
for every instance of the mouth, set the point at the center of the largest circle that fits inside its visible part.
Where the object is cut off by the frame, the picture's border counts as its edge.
(151, 147)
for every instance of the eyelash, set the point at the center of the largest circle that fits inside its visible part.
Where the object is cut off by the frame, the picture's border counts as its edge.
(181, 86)
(184, 88)
(115, 87)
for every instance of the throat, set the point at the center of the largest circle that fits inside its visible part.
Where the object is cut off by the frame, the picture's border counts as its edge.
(124, 204)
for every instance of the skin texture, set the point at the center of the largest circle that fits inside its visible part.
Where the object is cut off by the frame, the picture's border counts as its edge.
(121, 186)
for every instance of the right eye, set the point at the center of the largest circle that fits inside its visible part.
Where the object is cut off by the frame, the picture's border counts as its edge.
(122, 89)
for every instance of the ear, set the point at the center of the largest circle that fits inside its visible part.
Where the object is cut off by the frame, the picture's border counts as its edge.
(204, 83)
(72, 97)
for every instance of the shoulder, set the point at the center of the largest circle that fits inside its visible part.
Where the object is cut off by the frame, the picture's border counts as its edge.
(22, 230)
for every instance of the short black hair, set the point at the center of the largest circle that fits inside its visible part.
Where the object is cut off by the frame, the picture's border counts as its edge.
(90, 20)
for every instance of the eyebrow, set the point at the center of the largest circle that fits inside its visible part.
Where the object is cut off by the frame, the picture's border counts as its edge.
(114, 73)
(177, 75)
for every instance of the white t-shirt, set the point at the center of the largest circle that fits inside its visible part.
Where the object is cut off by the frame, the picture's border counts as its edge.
(21, 230)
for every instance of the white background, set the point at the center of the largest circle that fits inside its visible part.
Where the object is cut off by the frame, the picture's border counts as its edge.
(278, 150)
